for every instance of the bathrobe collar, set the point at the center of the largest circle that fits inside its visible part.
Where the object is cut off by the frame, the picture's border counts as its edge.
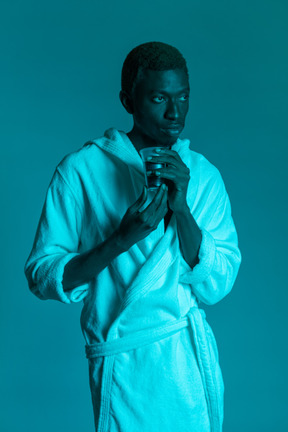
(118, 143)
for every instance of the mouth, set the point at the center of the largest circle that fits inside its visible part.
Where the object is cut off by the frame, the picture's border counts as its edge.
(172, 131)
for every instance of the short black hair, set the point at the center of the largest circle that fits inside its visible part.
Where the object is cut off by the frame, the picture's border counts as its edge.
(157, 56)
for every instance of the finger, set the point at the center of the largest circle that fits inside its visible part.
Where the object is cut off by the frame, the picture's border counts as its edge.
(165, 160)
(161, 197)
(156, 209)
(160, 192)
(156, 200)
(169, 174)
(172, 153)
(162, 207)
(140, 200)
(170, 157)
(143, 196)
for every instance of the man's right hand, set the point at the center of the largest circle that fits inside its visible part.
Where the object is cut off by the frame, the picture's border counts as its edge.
(136, 225)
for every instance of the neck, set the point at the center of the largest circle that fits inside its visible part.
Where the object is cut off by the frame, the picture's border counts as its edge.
(140, 141)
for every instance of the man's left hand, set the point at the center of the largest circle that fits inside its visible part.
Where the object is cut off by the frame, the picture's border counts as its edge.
(178, 175)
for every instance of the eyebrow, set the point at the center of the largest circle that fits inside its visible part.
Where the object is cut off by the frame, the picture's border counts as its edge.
(186, 89)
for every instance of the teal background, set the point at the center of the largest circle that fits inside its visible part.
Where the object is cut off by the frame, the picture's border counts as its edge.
(60, 69)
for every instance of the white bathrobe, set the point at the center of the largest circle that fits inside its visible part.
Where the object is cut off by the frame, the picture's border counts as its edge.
(153, 359)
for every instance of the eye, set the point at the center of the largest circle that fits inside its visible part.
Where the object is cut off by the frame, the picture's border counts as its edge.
(184, 97)
(158, 99)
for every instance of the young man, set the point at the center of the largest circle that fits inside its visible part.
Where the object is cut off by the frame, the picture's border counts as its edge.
(141, 273)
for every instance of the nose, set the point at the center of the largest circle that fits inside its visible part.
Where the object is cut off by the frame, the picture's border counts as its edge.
(172, 111)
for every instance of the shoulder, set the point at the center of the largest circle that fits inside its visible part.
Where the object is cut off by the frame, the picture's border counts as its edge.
(79, 167)
(206, 173)
(206, 187)
(197, 162)
(77, 161)
(74, 173)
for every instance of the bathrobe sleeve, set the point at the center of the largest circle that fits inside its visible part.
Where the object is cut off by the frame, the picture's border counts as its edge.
(56, 242)
(219, 256)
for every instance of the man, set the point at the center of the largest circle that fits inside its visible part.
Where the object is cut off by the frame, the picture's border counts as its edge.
(153, 359)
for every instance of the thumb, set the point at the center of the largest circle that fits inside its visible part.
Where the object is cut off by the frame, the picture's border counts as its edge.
(141, 199)
(144, 190)
(143, 196)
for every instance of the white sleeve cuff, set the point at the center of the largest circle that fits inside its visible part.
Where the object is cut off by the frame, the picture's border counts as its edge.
(206, 256)
(47, 280)
(77, 294)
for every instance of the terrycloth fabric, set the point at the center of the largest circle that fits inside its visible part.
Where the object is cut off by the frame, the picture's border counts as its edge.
(148, 371)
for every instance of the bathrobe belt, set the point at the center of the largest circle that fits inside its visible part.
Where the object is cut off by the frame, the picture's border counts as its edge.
(196, 319)
(136, 340)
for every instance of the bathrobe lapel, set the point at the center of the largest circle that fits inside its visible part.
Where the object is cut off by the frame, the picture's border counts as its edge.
(151, 257)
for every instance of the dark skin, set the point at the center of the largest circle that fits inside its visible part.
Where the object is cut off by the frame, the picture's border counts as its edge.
(159, 102)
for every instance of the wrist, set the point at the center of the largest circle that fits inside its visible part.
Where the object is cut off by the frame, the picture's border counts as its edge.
(119, 242)
(183, 211)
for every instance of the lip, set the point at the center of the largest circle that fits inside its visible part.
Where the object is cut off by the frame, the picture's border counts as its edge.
(174, 126)
(172, 131)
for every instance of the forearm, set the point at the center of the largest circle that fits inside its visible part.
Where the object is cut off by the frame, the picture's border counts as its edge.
(88, 265)
(189, 236)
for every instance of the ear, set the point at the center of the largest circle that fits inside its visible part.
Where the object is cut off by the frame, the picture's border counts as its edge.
(126, 101)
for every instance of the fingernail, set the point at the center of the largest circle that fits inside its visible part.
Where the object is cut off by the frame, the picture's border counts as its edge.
(158, 150)
(149, 158)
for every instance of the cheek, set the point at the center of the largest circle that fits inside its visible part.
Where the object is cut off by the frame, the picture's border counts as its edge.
(149, 117)
(184, 109)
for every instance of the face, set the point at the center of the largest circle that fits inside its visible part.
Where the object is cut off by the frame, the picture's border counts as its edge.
(160, 103)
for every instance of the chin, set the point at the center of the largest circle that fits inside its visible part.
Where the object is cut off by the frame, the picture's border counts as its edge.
(168, 141)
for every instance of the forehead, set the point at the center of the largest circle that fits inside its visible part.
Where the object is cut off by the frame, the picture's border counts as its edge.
(168, 80)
